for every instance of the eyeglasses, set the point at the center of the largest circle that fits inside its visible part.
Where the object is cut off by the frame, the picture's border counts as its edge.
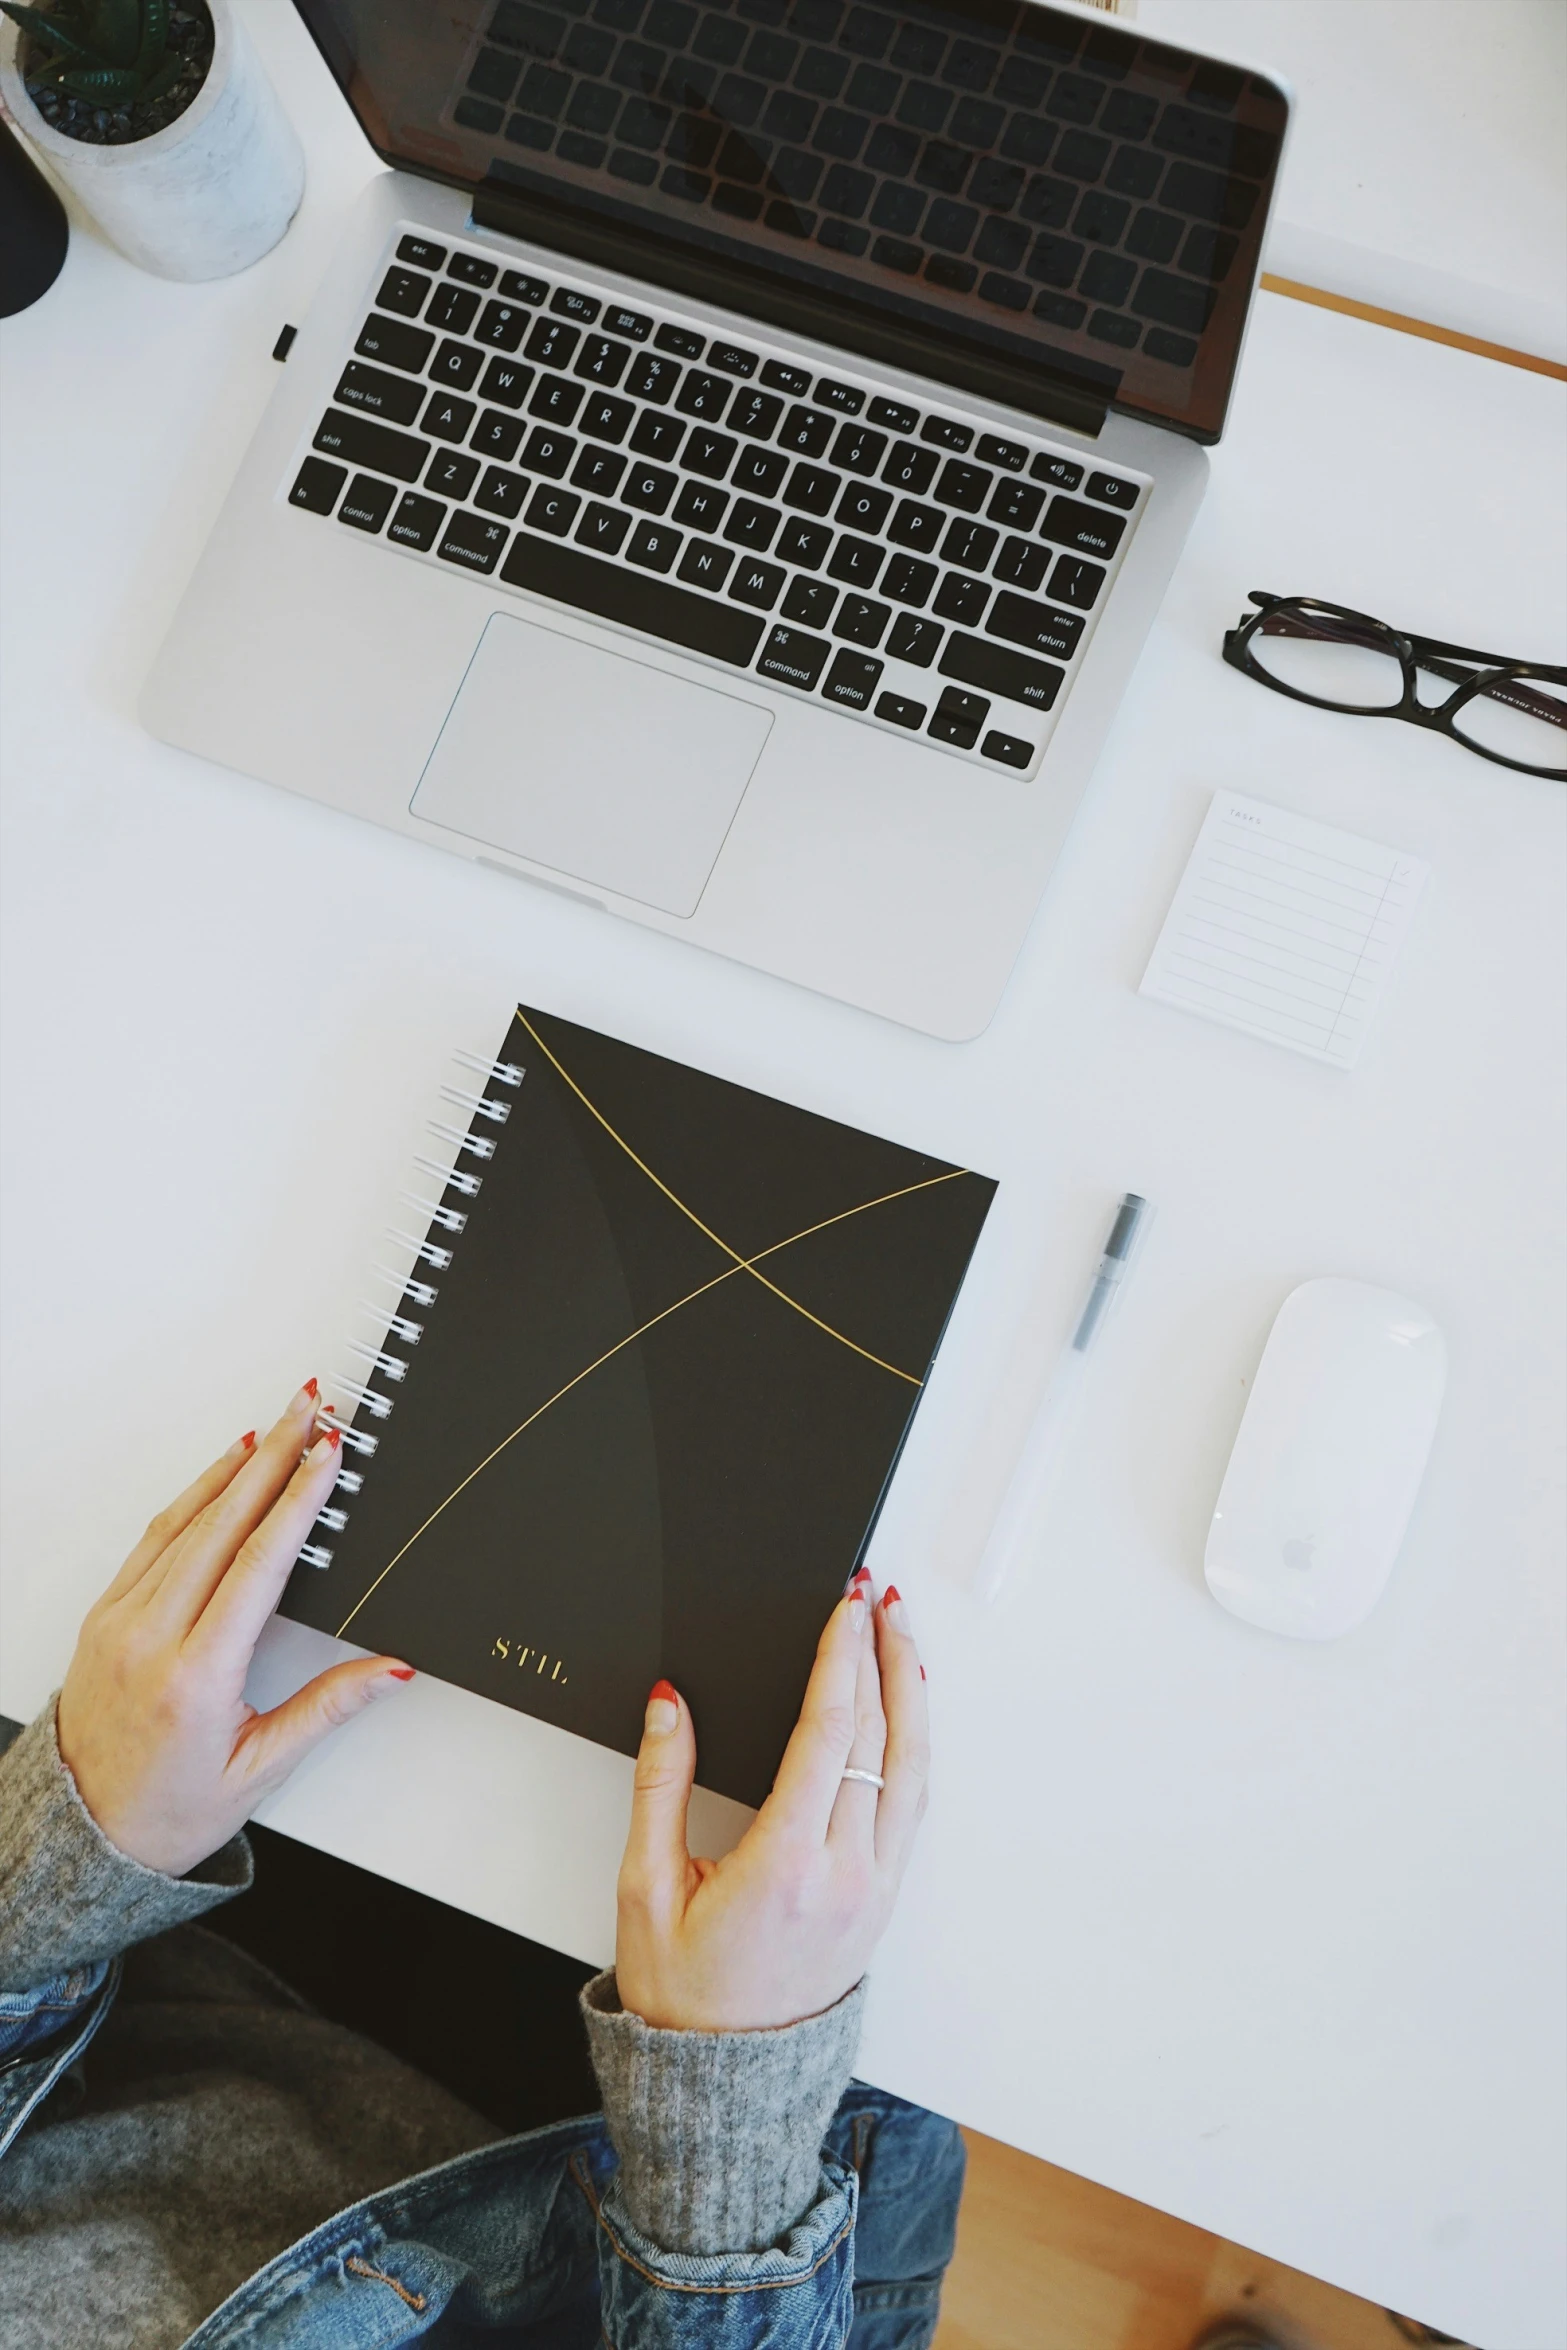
(1514, 712)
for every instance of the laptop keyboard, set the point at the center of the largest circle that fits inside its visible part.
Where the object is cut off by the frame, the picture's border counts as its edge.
(882, 556)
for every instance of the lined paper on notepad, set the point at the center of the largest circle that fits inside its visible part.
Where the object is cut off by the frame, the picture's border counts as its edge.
(1285, 928)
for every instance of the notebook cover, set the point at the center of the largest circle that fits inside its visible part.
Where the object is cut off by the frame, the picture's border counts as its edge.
(648, 1426)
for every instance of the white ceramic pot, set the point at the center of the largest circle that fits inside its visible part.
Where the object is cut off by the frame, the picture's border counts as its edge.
(202, 198)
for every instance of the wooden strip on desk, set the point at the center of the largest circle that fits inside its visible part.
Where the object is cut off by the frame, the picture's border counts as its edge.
(1413, 326)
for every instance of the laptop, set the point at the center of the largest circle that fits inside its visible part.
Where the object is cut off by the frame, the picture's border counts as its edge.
(735, 457)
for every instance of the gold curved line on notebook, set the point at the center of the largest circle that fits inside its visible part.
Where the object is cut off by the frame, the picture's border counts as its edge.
(842, 1217)
(741, 1264)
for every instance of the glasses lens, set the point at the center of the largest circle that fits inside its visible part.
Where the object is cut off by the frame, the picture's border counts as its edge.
(1328, 660)
(1522, 718)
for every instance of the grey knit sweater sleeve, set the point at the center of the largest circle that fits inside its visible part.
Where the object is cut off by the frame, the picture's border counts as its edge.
(719, 2133)
(68, 1897)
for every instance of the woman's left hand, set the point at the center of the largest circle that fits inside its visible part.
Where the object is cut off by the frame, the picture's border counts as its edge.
(153, 1724)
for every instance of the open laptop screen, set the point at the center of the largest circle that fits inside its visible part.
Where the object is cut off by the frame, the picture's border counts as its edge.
(1001, 178)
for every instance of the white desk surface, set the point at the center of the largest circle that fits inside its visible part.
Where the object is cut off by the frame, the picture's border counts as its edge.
(1265, 1934)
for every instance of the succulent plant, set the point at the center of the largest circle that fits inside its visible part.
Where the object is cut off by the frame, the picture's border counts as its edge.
(108, 52)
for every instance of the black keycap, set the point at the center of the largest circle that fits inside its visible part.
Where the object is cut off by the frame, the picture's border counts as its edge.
(1035, 626)
(810, 601)
(864, 508)
(857, 449)
(752, 525)
(1000, 671)
(893, 415)
(376, 446)
(317, 486)
(452, 309)
(472, 541)
(1085, 529)
(403, 291)
(755, 414)
(598, 470)
(705, 566)
(701, 507)
(496, 435)
(703, 395)
(760, 471)
(846, 398)
(1059, 470)
(944, 434)
(852, 679)
(421, 252)
(1112, 491)
(907, 580)
(959, 717)
(654, 546)
(711, 454)
(447, 419)
(518, 286)
(634, 599)
(860, 621)
(779, 378)
(416, 521)
(804, 543)
(552, 344)
(898, 710)
(602, 360)
(792, 658)
(548, 452)
(378, 394)
(961, 599)
(603, 529)
(604, 419)
(963, 486)
(454, 476)
(501, 492)
(503, 326)
(856, 561)
(656, 436)
(456, 366)
(652, 378)
(756, 583)
(914, 640)
(1023, 563)
(917, 526)
(395, 344)
(567, 303)
(1016, 503)
(555, 400)
(811, 490)
(969, 544)
(680, 340)
(552, 510)
(993, 450)
(910, 469)
(471, 269)
(505, 383)
(731, 359)
(1008, 748)
(649, 488)
(806, 433)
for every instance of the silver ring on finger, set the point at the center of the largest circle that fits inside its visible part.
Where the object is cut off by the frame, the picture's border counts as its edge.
(871, 1778)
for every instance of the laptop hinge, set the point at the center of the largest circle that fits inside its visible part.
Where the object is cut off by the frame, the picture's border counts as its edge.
(1031, 385)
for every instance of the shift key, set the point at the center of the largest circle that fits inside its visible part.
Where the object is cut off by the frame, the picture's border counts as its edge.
(374, 446)
(995, 669)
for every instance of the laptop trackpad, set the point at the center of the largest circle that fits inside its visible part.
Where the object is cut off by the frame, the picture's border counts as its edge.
(593, 763)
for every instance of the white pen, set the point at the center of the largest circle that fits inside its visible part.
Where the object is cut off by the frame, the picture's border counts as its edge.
(1042, 1446)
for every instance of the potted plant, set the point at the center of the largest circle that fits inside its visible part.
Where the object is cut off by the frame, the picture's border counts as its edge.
(157, 115)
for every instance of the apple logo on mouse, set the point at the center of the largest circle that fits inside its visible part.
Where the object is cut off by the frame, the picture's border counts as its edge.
(1298, 1553)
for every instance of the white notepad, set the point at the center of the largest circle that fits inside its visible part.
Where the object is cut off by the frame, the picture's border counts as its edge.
(1285, 928)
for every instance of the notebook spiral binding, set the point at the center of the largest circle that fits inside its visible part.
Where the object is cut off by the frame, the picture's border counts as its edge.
(363, 1399)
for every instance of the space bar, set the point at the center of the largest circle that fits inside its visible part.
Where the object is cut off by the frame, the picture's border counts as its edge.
(636, 602)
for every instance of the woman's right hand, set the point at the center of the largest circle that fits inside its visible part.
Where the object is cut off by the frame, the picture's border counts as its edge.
(785, 1924)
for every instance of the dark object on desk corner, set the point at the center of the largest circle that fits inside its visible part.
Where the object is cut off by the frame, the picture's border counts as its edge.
(115, 72)
(285, 342)
(34, 232)
(1511, 712)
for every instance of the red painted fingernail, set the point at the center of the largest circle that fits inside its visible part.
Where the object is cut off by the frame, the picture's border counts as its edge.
(401, 1672)
(248, 1439)
(891, 1596)
(334, 1437)
(312, 1387)
(922, 1672)
(666, 1690)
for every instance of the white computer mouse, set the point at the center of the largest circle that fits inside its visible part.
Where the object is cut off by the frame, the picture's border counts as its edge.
(1328, 1461)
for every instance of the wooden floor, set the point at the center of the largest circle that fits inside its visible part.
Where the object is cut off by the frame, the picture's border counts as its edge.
(1047, 2261)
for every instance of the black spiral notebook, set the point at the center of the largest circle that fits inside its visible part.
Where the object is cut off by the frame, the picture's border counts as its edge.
(644, 1381)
